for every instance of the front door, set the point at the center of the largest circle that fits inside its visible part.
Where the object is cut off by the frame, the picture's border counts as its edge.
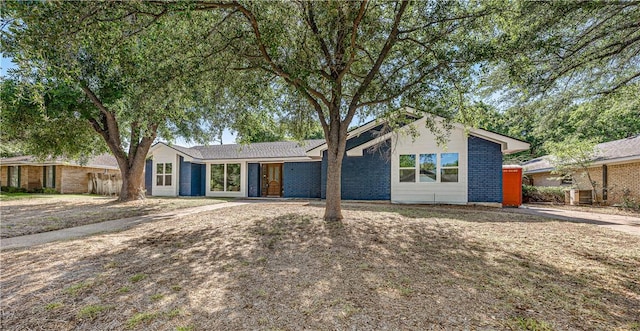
(272, 179)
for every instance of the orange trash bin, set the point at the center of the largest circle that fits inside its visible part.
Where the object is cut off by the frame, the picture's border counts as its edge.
(511, 186)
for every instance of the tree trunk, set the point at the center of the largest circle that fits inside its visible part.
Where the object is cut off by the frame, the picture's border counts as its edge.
(336, 144)
(132, 182)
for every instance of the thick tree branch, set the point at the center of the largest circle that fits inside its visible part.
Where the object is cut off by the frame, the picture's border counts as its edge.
(296, 82)
(391, 40)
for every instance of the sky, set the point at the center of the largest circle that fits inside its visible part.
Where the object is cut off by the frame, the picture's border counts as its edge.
(5, 63)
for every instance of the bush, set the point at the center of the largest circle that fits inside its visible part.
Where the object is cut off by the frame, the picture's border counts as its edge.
(554, 194)
(11, 189)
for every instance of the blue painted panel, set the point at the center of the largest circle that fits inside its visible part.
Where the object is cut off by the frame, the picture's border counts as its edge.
(253, 180)
(197, 179)
(366, 177)
(485, 171)
(301, 179)
(148, 176)
(184, 178)
(203, 177)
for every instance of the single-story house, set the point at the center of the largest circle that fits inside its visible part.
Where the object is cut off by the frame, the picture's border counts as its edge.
(394, 166)
(62, 175)
(616, 170)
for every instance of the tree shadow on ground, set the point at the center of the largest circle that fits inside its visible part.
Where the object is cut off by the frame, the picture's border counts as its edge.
(288, 270)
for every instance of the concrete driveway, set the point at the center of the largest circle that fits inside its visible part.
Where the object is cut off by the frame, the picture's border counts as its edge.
(622, 223)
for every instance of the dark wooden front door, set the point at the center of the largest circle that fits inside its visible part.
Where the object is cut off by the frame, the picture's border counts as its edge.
(272, 179)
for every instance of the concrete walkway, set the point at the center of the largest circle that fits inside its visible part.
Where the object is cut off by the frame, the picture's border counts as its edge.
(628, 224)
(103, 227)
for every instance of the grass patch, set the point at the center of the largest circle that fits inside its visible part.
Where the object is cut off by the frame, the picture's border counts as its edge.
(176, 288)
(157, 297)
(78, 288)
(185, 328)
(532, 324)
(124, 289)
(137, 277)
(91, 311)
(53, 306)
(140, 318)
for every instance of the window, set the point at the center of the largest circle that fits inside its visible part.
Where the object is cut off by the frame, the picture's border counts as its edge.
(225, 177)
(14, 176)
(428, 169)
(49, 176)
(163, 174)
(407, 168)
(217, 177)
(449, 167)
(233, 177)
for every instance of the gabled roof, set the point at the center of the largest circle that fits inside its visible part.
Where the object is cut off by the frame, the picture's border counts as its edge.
(104, 161)
(268, 150)
(622, 150)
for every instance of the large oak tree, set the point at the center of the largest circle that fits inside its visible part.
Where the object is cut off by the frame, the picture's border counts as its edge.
(352, 58)
(124, 70)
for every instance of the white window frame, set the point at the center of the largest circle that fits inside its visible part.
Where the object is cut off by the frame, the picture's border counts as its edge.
(225, 179)
(436, 170)
(441, 168)
(414, 168)
(164, 174)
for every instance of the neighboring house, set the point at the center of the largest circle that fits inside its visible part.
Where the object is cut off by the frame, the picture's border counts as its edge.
(616, 170)
(59, 174)
(392, 166)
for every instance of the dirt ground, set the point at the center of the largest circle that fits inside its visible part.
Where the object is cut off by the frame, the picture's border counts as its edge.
(280, 267)
(41, 213)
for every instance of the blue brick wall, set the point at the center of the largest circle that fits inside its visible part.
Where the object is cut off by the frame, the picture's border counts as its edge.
(253, 180)
(301, 179)
(198, 179)
(363, 137)
(366, 177)
(485, 171)
(148, 176)
(185, 178)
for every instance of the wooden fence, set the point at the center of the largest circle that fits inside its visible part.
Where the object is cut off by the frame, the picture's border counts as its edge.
(105, 184)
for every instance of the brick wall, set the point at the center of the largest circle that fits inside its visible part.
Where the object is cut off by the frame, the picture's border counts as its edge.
(365, 177)
(622, 177)
(485, 171)
(545, 179)
(30, 177)
(3, 176)
(73, 179)
(301, 179)
(619, 178)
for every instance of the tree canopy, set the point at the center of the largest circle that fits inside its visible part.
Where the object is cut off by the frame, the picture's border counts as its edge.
(134, 71)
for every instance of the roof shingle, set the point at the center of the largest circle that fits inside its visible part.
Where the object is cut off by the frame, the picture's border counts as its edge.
(279, 149)
(611, 150)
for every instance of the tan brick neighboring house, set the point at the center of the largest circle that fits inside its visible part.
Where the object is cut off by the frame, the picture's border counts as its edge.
(62, 175)
(616, 171)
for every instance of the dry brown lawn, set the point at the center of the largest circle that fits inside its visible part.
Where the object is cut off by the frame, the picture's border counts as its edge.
(35, 213)
(278, 266)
